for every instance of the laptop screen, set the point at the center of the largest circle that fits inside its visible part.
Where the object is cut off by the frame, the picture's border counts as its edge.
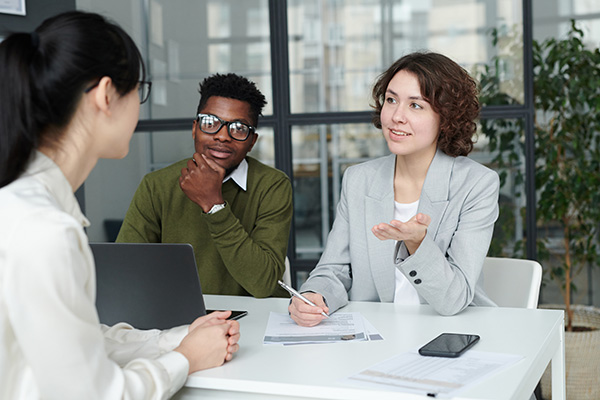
(148, 285)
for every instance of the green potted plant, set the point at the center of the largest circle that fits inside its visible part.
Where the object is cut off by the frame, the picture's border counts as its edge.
(567, 172)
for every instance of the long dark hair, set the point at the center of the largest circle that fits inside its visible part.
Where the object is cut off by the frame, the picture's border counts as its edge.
(44, 75)
(448, 88)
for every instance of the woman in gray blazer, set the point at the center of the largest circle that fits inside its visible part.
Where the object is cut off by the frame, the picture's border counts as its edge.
(415, 226)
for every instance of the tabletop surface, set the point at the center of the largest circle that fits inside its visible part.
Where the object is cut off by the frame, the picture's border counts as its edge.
(314, 370)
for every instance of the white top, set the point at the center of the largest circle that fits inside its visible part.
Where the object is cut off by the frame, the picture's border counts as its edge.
(239, 175)
(405, 292)
(52, 345)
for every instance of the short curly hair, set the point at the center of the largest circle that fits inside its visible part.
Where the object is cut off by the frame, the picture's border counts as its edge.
(233, 86)
(448, 88)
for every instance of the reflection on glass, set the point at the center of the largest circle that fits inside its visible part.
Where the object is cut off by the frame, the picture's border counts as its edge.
(337, 48)
(321, 154)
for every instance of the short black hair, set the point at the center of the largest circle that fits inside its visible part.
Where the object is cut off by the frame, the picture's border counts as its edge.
(233, 86)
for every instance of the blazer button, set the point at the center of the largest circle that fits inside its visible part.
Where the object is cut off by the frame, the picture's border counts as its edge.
(413, 273)
(417, 281)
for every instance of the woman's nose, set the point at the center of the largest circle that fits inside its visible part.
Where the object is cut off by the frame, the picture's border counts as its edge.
(399, 115)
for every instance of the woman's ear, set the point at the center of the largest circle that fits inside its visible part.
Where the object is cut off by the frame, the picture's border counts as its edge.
(104, 94)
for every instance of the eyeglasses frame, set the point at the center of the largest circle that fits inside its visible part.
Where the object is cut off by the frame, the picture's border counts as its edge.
(142, 101)
(251, 129)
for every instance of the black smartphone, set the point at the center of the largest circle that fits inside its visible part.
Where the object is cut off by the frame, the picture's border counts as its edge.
(235, 314)
(449, 345)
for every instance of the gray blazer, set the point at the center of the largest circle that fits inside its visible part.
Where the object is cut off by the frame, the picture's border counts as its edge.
(461, 197)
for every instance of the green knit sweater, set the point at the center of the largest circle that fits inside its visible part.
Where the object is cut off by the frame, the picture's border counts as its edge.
(239, 250)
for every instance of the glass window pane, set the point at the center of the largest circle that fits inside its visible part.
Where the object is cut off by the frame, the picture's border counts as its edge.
(321, 154)
(169, 147)
(221, 37)
(500, 146)
(110, 187)
(264, 148)
(337, 48)
(184, 42)
(553, 19)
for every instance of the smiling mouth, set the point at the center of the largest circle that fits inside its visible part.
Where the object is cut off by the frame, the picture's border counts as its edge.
(400, 133)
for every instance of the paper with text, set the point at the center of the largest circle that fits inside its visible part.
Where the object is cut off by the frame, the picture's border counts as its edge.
(435, 376)
(339, 327)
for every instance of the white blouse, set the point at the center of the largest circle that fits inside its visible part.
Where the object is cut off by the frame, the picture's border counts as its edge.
(52, 345)
(405, 292)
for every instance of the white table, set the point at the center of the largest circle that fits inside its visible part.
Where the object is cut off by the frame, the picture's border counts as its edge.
(312, 371)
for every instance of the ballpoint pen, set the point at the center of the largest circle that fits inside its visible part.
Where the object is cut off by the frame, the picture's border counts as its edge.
(293, 292)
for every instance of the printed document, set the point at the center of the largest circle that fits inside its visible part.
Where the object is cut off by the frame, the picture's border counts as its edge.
(434, 376)
(339, 327)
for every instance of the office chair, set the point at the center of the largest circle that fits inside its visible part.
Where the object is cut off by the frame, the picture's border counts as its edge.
(512, 282)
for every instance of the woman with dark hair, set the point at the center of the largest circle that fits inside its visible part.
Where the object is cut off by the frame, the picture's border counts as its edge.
(70, 94)
(441, 205)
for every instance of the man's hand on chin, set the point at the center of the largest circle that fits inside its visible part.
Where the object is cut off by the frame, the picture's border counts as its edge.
(201, 181)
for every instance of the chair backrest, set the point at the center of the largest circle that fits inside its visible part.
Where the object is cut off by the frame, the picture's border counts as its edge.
(512, 282)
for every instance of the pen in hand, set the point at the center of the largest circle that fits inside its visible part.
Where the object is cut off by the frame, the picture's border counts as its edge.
(294, 293)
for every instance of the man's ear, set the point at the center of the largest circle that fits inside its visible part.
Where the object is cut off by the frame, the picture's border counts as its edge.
(253, 141)
(104, 94)
(194, 126)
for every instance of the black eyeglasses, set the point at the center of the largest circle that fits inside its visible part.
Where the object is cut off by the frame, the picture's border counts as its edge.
(143, 90)
(212, 124)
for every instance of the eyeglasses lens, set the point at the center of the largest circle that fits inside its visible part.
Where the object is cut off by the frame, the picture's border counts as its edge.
(238, 131)
(212, 124)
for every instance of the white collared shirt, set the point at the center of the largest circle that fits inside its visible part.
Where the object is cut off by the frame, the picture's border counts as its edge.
(239, 175)
(51, 343)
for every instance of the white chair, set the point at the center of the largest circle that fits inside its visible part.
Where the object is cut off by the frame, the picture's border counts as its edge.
(287, 275)
(512, 282)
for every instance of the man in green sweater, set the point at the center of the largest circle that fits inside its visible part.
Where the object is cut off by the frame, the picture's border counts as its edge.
(235, 211)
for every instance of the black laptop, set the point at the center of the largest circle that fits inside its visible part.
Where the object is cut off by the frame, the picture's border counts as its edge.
(148, 285)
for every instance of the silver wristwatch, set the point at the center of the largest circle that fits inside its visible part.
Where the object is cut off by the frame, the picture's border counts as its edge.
(216, 208)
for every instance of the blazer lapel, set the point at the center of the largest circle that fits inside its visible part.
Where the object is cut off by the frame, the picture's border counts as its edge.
(379, 207)
(434, 195)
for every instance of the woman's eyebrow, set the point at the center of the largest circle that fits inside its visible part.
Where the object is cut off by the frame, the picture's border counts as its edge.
(390, 91)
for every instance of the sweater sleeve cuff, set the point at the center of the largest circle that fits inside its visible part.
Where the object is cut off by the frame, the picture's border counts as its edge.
(220, 216)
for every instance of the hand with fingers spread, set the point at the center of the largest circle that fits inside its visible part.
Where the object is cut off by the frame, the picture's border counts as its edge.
(412, 232)
(201, 181)
(306, 315)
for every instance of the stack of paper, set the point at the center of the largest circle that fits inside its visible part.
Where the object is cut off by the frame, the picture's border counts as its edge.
(339, 327)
